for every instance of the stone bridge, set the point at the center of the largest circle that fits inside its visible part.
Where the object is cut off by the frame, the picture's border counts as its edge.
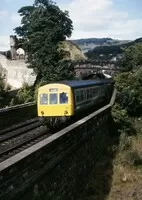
(88, 67)
(17, 72)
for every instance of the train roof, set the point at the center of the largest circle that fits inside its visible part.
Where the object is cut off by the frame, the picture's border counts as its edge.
(79, 83)
(86, 83)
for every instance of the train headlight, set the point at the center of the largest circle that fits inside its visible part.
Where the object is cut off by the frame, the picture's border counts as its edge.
(66, 112)
(42, 113)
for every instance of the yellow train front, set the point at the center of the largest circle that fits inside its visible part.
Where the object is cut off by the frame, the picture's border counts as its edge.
(55, 100)
(65, 99)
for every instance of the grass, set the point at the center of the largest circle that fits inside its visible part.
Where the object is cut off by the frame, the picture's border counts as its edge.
(127, 173)
(119, 176)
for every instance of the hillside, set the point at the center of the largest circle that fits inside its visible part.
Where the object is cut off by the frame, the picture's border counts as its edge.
(110, 51)
(72, 51)
(90, 43)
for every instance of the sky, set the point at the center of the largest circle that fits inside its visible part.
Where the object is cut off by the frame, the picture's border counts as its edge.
(118, 19)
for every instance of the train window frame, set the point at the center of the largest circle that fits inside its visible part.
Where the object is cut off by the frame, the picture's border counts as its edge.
(93, 91)
(82, 95)
(51, 94)
(77, 96)
(88, 94)
(67, 96)
(87, 91)
(41, 102)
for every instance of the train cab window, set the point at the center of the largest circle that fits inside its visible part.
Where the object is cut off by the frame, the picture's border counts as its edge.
(53, 98)
(43, 99)
(63, 98)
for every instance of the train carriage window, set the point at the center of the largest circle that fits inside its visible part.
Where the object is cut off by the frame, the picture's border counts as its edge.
(94, 93)
(100, 91)
(63, 98)
(97, 91)
(90, 93)
(82, 95)
(87, 93)
(43, 99)
(53, 98)
(77, 96)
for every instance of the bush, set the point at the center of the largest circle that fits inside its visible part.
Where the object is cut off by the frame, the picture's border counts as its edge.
(121, 119)
(129, 87)
(24, 95)
(36, 89)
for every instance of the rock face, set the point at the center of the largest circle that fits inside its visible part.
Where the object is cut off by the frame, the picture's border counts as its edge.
(73, 52)
(16, 72)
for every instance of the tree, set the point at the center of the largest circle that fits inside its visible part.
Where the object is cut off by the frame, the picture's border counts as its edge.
(43, 27)
(132, 58)
(129, 86)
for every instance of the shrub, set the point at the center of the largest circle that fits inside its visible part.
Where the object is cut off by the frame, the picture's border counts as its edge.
(129, 86)
(24, 95)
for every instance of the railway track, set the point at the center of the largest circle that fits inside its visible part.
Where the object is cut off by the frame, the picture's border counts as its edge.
(20, 137)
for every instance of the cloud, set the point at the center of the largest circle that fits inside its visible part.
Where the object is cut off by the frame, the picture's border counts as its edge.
(15, 19)
(3, 14)
(99, 18)
(4, 43)
(8, 1)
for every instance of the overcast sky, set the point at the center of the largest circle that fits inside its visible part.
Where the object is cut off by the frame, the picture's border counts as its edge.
(120, 19)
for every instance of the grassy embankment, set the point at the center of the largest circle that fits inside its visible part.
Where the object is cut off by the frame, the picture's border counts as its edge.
(117, 175)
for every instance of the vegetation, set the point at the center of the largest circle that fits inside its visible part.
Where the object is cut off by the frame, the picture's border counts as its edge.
(118, 174)
(128, 105)
(24, 95)
(96, 41)
(44, 27)
(127, 114)
(106, 52)
(2, 90)
(129, 86)
(132, 58)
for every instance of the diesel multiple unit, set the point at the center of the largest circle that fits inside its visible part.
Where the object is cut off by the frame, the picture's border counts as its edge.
(67, 98)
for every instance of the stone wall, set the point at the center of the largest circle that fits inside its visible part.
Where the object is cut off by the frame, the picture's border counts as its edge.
(16, 72)
(58, 167)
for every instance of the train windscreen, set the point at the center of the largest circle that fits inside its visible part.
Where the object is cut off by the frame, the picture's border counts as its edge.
(63, 98)
(43, 99)
(53, 98)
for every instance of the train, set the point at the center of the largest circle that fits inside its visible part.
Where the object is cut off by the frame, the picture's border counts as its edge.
(63, 100)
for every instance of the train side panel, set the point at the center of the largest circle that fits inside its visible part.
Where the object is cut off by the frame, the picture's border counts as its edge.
(87, 97)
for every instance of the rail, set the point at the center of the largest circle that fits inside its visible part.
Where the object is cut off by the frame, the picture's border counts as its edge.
(71, 129)
(2, 110)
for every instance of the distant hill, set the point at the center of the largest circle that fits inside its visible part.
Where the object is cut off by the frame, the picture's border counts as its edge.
(110, 51)
(90, 43)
